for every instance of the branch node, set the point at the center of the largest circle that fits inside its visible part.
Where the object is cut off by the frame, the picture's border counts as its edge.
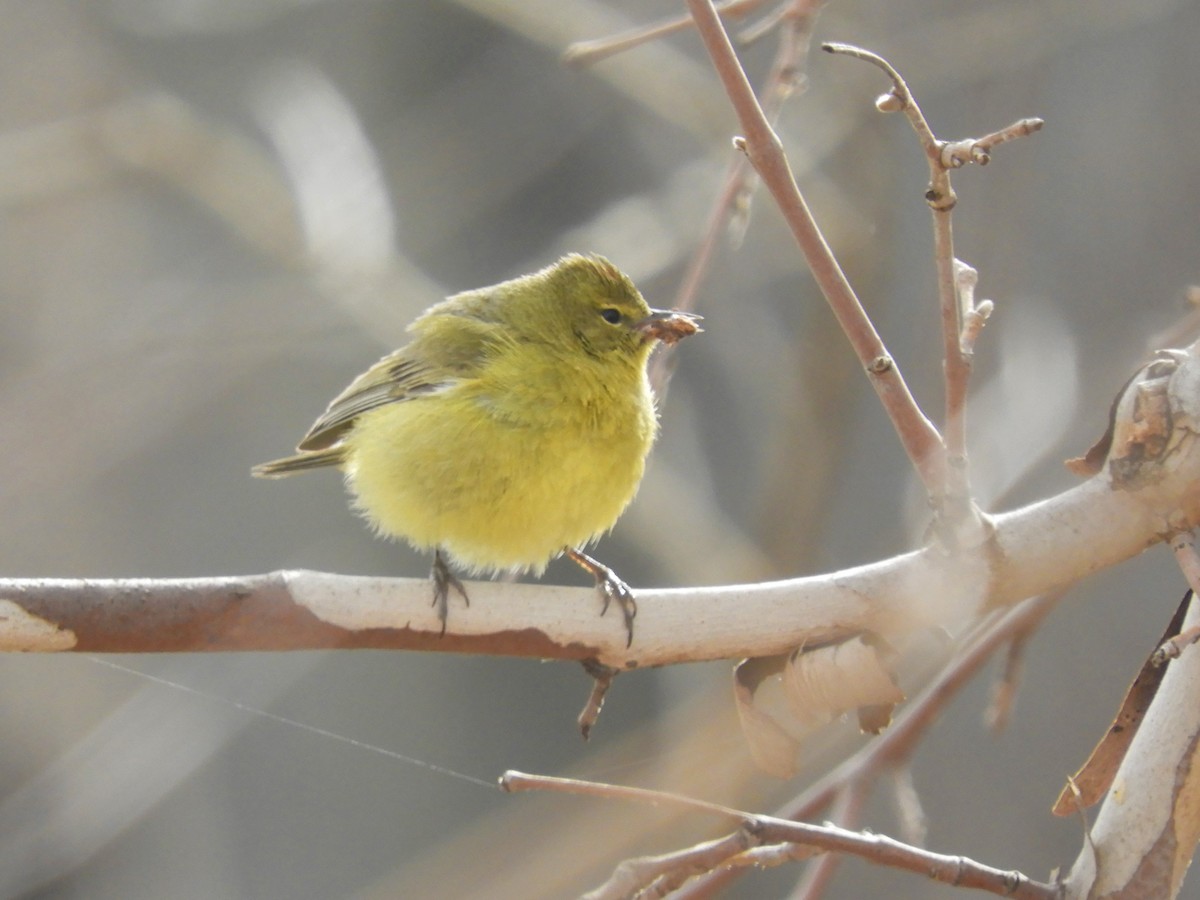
(879, 365)
(1173, 647)
(941, 200)
(889, 102)
(754, 826)
(972, 315)
(966, 279)
(956, 154)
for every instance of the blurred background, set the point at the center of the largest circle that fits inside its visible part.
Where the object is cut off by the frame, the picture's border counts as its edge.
(214, 214)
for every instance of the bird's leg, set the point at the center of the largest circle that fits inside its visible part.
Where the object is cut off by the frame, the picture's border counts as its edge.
(443, 580)
(610, 587)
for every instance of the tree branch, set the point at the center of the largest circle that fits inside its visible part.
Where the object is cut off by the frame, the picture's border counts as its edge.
(1143, 839)
(1146, 493)
(765, 151)
(958, 314)
(880, 849)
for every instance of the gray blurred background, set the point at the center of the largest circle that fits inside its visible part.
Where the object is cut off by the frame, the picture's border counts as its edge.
(217, 213)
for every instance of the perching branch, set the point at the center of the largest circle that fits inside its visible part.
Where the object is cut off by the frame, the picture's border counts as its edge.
(1145, 494)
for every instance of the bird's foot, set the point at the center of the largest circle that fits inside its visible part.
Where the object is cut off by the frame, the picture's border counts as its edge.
(443, 580)
(610, 588)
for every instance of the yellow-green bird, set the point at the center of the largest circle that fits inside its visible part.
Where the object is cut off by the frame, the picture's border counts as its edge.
(514, 427)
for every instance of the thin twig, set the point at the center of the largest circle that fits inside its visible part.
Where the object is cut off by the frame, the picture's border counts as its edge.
(956, 369)
(914, 823)
(658, 876)
(900, 98)
(952, 500)
(949, 869)
(515, 782)
(781, 85)
(584, 53)
(1183, 546)
(895, 746)
(763, 148)
(847, 813)
(796, 19)
(1172, 647)
(956, 154)
(883, 850)
(974, 315)
(1004, 690)
(953, 497)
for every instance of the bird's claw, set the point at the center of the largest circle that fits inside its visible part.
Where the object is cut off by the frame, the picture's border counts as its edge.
(613, 588)
(610, 588)
(443, 581)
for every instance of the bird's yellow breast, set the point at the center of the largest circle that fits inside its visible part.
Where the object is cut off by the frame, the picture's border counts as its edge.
(504, 470)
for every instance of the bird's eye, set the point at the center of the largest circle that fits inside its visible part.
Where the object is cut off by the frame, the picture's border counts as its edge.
(611, 316)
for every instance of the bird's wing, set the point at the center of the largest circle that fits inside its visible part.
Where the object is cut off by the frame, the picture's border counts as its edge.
(430, 363)
(391, 380)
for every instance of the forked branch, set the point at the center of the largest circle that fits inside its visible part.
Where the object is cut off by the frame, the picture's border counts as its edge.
(757, 829)
(765, 151)
(961, 319)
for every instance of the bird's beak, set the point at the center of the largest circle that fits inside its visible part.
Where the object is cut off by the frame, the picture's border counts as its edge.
(668, 325)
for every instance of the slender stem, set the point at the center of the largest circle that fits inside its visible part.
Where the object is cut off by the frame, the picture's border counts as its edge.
(877, 848)
(895, 746)
(880, 849)
(584, 53)
(956, 370)
(765, 152)
(514, 782)
(795, 22)
(960, 321)
(847, 813)
(952, 501)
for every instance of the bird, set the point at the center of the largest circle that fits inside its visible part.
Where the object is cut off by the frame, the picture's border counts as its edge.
(513, 427)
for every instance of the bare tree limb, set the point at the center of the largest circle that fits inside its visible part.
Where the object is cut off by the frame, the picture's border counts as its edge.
(1146, 494)
(1032, 550)
(956, 870)
(953, 499)
(765, 151)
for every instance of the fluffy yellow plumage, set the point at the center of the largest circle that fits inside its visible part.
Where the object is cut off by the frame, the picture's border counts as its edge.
(512, 428)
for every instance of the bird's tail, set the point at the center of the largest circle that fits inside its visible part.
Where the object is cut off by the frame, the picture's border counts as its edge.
(301, 462)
